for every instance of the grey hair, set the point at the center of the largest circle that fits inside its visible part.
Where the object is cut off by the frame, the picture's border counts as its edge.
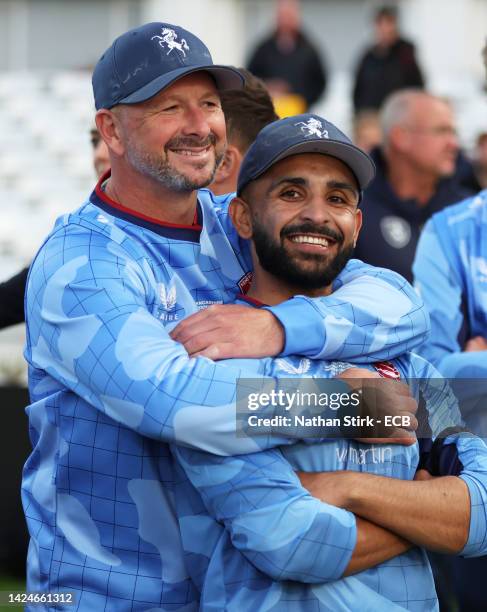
(396, 109)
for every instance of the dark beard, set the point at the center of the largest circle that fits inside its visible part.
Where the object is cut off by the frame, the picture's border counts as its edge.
(275, 259)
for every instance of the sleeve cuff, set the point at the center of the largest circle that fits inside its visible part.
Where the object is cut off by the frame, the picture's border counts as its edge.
(477, 539)
(303, 327)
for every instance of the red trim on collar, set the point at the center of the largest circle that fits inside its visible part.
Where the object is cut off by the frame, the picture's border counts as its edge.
(105, 198)
(246, 298)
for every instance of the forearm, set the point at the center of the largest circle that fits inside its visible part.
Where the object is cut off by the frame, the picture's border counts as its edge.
(327, 328)
(434, 514)
(374, 546)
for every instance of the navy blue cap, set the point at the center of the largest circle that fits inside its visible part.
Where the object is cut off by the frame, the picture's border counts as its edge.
(306, 133)
(145, 60)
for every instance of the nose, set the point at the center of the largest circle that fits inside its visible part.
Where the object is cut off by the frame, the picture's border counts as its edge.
(317, 211)
(196, 123)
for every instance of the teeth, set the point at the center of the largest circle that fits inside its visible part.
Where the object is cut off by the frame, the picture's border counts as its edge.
(189, 152)
(310, 240)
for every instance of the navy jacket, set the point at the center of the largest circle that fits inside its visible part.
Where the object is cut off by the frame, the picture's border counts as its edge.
(391, 226)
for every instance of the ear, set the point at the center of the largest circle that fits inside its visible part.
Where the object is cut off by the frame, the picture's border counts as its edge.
(241, 217)
(109, 126)
(358, 226)
(400, 138)
(229, 166)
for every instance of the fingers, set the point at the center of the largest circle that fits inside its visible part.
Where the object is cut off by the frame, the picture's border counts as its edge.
(205, 341)
(423, 475)
(201, 321)
(358, 373)
(216, 352)
(407, 439)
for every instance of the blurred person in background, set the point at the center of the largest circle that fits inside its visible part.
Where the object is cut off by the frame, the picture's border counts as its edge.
(246, 112)
(450, 273)
(289, 64)
(101, 159)
(388, 65)
(367, 132)
(415, 178)
(12, 290)
(480, 159)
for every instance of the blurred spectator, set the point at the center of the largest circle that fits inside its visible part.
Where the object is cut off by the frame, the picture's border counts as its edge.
(288, 62)
(480, 160)
(246, 111)
(415, 178)
(12, 290)
(388, 65)
(450, 271)
(367, 131)
(101, 160)
(12, 299)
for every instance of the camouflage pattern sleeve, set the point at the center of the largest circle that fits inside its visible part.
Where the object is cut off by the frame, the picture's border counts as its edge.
(440, 286)
(91, 332)
(372, 315)
(272, 520)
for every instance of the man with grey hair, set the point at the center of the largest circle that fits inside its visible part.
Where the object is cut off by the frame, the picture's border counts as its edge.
(415, 178)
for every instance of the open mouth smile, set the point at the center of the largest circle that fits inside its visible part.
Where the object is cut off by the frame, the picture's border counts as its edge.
(322, 242)
(197, 152)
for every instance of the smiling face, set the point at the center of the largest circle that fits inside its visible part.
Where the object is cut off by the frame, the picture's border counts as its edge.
(303, 219)
(177, 137)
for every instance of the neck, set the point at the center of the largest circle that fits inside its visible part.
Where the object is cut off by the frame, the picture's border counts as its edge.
(272, 291)
(408, 181)
(147, 196)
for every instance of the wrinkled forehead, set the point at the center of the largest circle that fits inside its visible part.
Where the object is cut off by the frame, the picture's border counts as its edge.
(314, 170)
(316, 167)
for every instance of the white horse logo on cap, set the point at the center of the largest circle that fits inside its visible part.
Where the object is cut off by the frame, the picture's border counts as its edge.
(313, 127)
(169, 38)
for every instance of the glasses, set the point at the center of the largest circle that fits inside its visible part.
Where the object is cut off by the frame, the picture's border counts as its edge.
(441, 131)
(95, 137)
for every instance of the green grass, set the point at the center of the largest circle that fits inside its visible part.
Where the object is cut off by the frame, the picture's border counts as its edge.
(7, 585)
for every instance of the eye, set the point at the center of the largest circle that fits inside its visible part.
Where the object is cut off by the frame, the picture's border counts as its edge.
(341, 200)
(338, 199)
(211, 104)
(290, 194)
(171, 108)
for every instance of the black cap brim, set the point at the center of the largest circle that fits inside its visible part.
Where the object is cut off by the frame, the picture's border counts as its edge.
(225, 78)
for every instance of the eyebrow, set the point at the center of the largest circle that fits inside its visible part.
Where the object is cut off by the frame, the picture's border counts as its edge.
(206, 94)
(296, 180)
(293, 180)
(341, 185)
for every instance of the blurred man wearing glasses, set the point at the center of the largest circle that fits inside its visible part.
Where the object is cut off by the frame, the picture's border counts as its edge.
(415, 178)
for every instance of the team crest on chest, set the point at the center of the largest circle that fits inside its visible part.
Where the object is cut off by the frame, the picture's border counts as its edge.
(168, 298)
(168, 40)
(386, 369)
(245, 282)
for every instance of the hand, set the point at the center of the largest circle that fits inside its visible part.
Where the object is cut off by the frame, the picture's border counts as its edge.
(475, 344)
(423, 475)
(226, 331)
(383, 397)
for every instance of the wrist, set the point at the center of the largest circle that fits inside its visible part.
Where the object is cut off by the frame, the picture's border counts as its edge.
(277, 337)
(354, 491)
